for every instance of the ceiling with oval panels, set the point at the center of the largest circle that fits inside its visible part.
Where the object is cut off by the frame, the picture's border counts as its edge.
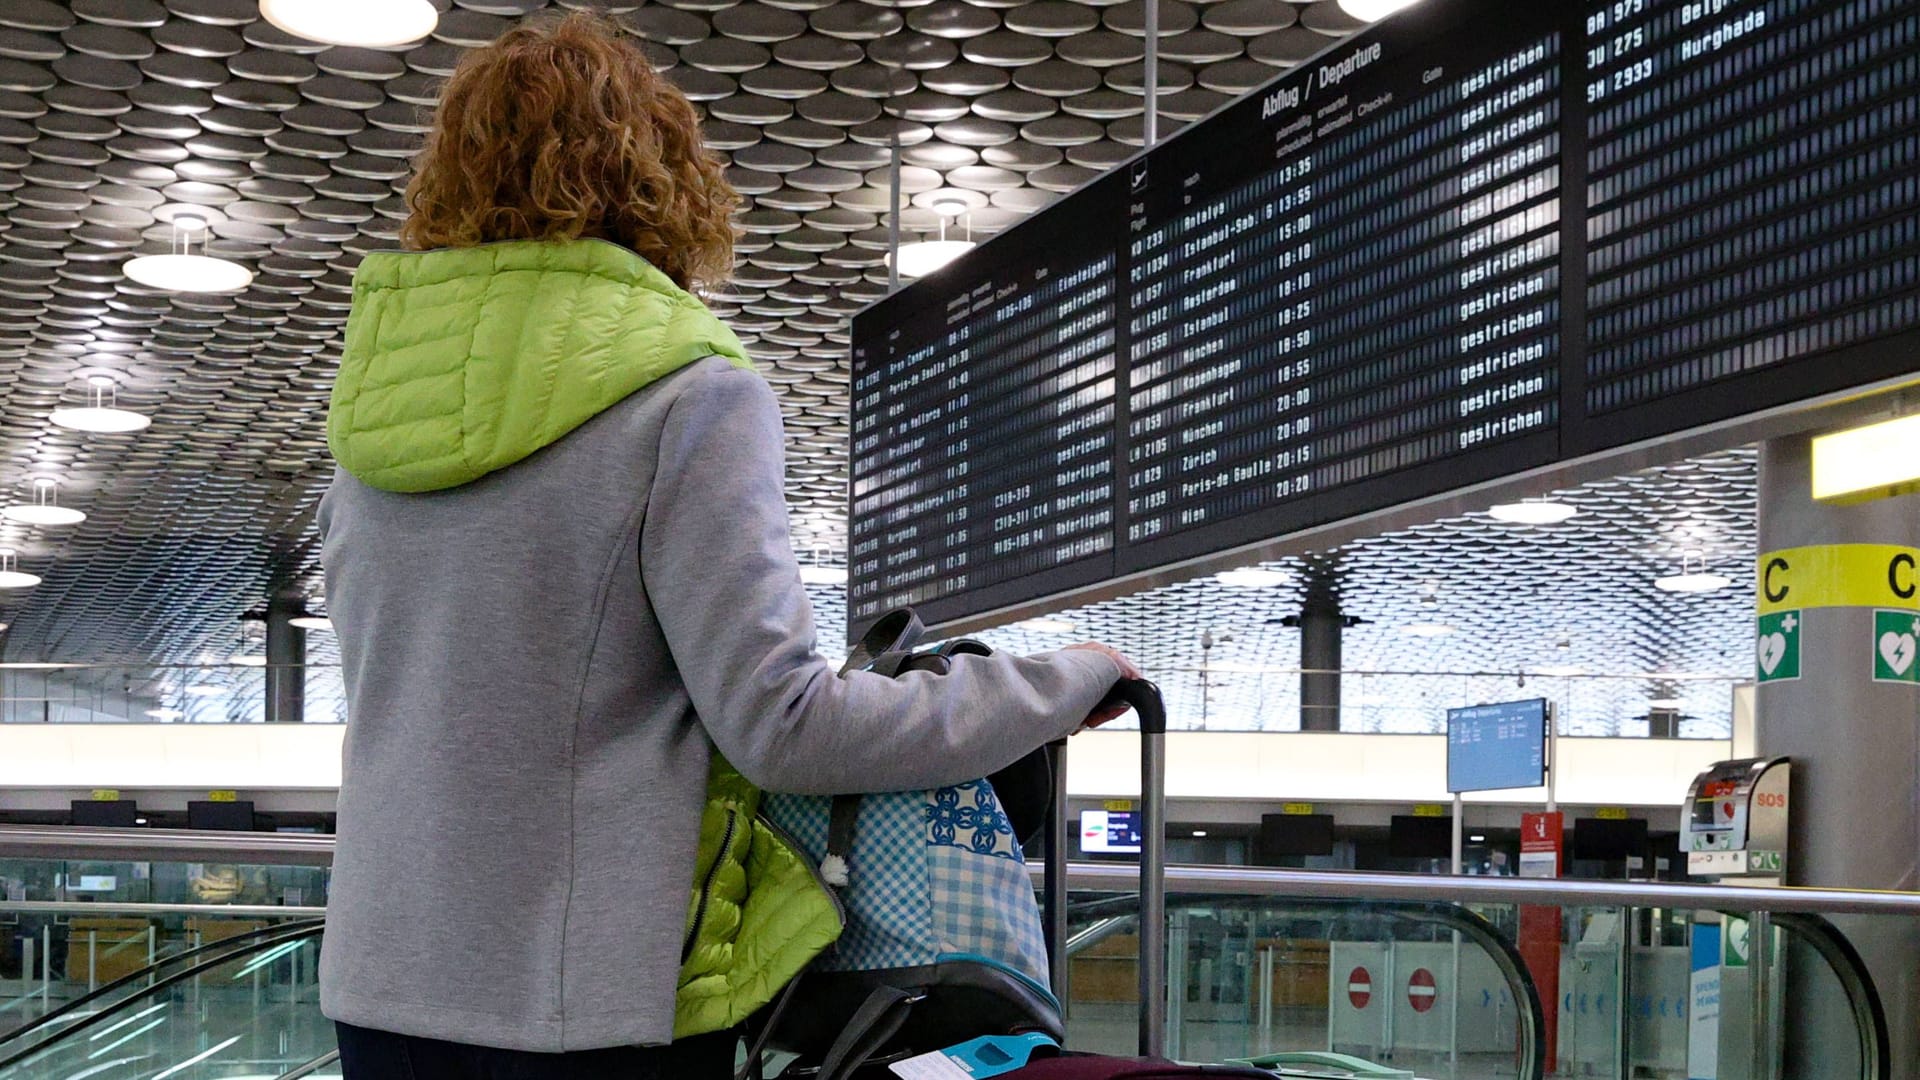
(116, 116)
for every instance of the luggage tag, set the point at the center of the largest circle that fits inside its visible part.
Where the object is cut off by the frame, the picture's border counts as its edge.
(975, 1059)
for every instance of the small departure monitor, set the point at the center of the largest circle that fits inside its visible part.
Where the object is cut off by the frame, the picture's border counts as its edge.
(1413, 837)
(1603, 839)
(1110, 832)
(106, 813)
(220, 816)
(1284, 835)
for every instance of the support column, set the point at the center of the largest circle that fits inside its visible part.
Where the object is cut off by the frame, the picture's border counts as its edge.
(286, 663)
(1855, 745)
(1321, 625)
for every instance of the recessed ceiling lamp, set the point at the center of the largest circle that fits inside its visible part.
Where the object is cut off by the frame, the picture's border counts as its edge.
(1690, 580)
(1045, 626)
(1254, 577)
(370, 24)
(1199, 834)
(1533, 513)
(1374, 10)
(181, 270)
(12, 578)
(102, 416)
(813, 574)
(917, 260)
(311, 622)
(248, 660)
(1429, 629)
(44, 509)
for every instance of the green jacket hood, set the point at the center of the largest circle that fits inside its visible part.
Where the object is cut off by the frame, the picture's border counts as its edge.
(463, 361)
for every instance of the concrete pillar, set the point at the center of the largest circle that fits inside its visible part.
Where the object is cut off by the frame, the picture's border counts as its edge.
(286, 663)
(1321, 625)
(1855, 746)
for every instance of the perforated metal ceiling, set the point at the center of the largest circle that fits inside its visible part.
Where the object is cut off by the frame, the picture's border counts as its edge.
(1571, 607)
(118, 115)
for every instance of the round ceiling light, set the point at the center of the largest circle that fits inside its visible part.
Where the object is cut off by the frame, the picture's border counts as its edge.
(1045, 626)
(44, 509)
(823, 575)
(1534, 513)
(101, 416)
(1373, 10)
(919, 259)
(11, 578)
(1702, 582)
(248, 660)
(370, 24)
(182, 271)
(311, 622)
(1429, 629)
(1254, 577)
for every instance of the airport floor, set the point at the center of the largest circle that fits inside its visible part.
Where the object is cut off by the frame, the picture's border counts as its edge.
(1113, 1029)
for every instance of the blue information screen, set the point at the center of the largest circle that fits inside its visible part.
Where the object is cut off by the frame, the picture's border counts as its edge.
(1496, 747)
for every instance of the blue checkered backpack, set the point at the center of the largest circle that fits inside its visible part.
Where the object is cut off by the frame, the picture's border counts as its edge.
(943, 938)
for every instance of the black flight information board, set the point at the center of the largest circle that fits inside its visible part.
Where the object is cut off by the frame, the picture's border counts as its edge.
(1484, 236)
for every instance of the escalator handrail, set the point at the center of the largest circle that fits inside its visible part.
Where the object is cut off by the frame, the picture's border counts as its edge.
(237, 944)
(89, 1022)
(1447, 916)
(1863, 995)
(1121, 877)
(311, 1067)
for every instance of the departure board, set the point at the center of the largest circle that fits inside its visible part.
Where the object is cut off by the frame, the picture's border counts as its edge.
(983, 436)
(1481, 237)
(1751, 188)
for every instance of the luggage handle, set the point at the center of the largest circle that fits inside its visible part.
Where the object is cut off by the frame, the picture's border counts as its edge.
(1146, 701)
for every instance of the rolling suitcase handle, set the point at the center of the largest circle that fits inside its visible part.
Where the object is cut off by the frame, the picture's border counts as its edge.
(1145, 699)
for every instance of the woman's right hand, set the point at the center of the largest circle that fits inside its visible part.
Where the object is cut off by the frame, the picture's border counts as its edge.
(1128, 670)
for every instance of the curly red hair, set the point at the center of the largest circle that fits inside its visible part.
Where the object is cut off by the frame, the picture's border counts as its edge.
(560, 130)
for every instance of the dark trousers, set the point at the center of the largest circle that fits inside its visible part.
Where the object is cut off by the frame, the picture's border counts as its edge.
(366, 1054)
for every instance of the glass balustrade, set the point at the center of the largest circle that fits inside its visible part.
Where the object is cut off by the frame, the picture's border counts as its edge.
(1441, 990)
(206, 970)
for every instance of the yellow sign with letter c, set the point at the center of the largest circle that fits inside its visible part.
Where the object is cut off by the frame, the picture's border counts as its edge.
(1838, 575)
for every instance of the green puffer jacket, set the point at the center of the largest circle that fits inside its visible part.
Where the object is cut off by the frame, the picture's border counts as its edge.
(757, 916)
(612, 324)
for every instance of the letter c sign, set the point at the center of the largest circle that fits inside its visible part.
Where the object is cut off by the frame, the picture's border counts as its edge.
(1776, 595)
(1902, 584)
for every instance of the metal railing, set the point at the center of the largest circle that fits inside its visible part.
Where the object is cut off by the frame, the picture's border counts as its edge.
(301, 849)
(164, 845)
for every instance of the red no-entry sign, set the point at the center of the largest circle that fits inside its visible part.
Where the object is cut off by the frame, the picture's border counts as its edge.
(1360, 987)
(1421, 993)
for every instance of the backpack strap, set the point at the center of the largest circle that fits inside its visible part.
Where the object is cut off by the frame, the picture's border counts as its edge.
(877, 1020)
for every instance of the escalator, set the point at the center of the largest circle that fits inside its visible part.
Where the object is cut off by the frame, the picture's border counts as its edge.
(242, 1008)
(247, 1007)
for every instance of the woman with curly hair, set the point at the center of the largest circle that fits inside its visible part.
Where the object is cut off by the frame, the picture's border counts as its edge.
(558, 564)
